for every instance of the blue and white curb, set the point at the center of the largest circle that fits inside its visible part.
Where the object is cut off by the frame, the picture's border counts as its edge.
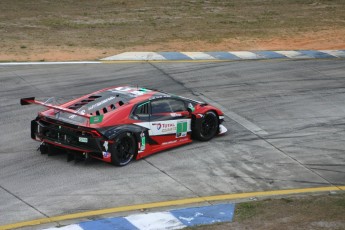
(235, 55)
(174, 219)
(202, 56)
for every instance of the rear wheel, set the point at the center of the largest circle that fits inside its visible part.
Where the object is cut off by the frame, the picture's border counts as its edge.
(124, 149)
(207, 127)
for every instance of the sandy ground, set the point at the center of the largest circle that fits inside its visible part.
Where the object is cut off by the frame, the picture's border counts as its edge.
(321, 40)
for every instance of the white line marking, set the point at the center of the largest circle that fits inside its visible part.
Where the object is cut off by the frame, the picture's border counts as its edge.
(240, 120)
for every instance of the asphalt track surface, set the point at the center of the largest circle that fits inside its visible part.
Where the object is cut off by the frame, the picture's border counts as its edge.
(285, 121)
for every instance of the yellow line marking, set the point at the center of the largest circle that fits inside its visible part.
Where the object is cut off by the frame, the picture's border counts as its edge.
(170, 203)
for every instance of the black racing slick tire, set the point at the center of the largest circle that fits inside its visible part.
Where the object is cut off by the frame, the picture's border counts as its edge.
(124, 149)
(206, 127)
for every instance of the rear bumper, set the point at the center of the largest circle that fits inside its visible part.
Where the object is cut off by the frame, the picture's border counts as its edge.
(65, 137)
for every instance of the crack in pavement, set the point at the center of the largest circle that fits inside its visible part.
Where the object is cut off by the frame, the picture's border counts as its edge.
(28, 204)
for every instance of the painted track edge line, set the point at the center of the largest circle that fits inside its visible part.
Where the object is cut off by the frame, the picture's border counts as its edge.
(206, 61)
(169, 204)
(151, 61)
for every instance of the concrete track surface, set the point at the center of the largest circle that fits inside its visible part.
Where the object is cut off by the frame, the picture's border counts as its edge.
(285, 121)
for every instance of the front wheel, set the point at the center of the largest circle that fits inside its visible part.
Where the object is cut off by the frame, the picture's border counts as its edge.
(124, 149)
(207, 127)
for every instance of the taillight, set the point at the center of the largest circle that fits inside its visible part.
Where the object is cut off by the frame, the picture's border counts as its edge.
(95, 133)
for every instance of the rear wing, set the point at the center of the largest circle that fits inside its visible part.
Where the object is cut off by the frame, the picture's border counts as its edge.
(91, 119)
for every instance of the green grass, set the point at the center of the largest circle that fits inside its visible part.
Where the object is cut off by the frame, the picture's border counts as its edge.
(128, 23)
(247, 210)
(296, 212)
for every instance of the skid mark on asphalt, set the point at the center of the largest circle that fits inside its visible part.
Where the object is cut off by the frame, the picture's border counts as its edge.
(239, 119)
(257, 131)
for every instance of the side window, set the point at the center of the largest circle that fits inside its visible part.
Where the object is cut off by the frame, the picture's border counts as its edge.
(177, 106)
(142, 112)
(161, 106)
(166, 109)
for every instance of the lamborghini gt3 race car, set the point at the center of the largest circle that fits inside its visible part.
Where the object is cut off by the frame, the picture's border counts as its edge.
(118, 124)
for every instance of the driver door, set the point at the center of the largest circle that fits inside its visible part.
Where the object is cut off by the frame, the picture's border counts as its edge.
(170, 122)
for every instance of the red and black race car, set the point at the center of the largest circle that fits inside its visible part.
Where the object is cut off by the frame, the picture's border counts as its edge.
(118, 124)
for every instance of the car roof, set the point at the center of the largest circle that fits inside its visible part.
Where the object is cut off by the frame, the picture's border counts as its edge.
(113, 97)
(109, 100)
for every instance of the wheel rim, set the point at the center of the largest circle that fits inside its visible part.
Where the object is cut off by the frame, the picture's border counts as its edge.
(208, 126)
(125, 149)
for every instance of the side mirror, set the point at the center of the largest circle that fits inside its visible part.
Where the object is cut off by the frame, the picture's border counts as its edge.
(190, 108)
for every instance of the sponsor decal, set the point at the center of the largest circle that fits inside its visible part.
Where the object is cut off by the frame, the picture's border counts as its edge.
(181, 130)
(83, 139)
(80, 112)
(105, 145)
(176, 114)
(143, 142)
(183, 139)
(96, 119)
(164, 128)
(169, 142)
(160, 96)
(134, 91)
(106, 154)
(167, 127)
(100, 103)
(158, 125)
